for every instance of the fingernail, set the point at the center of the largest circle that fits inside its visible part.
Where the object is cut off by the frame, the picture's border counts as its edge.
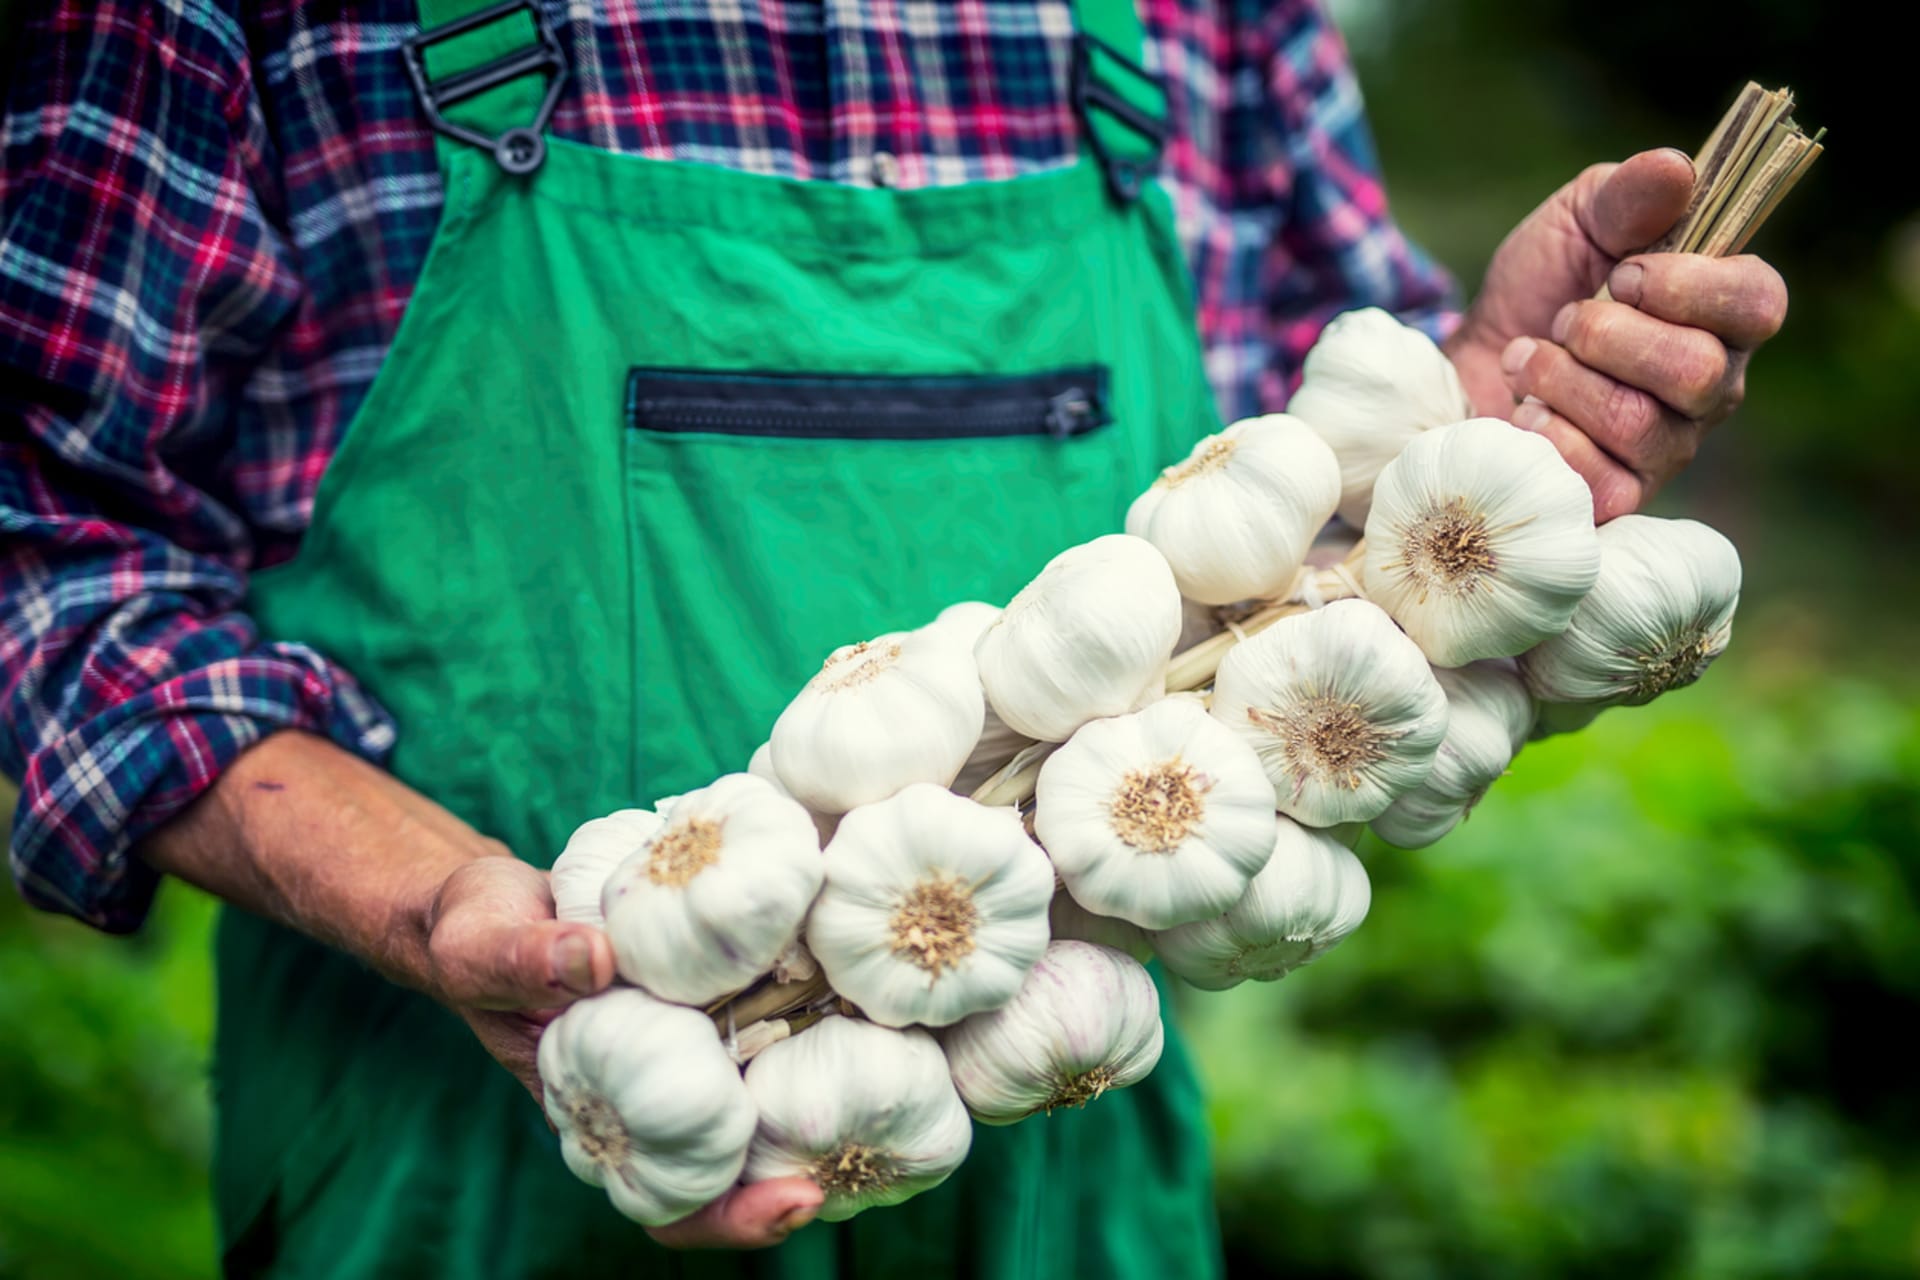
(1684, 156)
(1515, 357)
(1625, 283)
(798, 1218)
(573, 964)
(1530, 415)
(1563, 322)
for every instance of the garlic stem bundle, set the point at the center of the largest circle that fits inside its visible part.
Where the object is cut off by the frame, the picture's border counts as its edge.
(1341, 708)
(867, 1112)
(1086, 1020)
(1312, 893)
(1089, 637)
(593, 850)
(716, 894)
(1156, 818)
(1481, 541)
(646, 1102)
(1488, 717)
(1660, 613)
(1369, 386)
(934, 907)
(903, 708)
(1235, 519)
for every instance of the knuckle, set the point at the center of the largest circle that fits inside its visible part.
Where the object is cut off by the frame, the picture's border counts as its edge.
(1591, 328)
(1629, 416)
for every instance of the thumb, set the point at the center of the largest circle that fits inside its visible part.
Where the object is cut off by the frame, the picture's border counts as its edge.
(1624, 208)
(503, 963)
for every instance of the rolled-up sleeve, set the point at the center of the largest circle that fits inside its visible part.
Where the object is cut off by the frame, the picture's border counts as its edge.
(140, 281)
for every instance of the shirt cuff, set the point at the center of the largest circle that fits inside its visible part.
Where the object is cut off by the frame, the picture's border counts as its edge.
(91, 794)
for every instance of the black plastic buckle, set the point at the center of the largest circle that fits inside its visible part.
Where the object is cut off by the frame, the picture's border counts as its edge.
(518, 151)
(1126, 175)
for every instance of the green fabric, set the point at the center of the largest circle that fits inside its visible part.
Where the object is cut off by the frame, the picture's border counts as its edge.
(568, 616)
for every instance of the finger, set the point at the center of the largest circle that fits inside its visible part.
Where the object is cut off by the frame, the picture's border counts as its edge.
(1617, 491)
(749, 1217)
(496, 962)
(1634, 428)
(1630, 205)
(1742, 301)
(1680, 366)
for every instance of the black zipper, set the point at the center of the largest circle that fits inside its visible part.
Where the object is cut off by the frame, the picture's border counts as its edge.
(1061, 403)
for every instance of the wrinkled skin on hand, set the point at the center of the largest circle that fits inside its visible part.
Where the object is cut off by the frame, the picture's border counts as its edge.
(1625, 388)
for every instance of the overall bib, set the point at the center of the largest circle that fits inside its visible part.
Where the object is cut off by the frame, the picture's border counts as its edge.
(654, 438)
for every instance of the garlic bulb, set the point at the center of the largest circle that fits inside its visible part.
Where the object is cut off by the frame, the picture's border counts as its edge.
(1659, 615)
(1488, 717)
(998, 743)
(593, 850)
(900, 709)
(1089, 637)
(646, 1102)
(1158, 817)
(934, 908)
(1481, 541)
(1068, 920)
(1235, 519)
(1341, 708)
(867, 1112)
(711, 900)
(1312, 893)
(1368, 386)
(1087, 1019)
(761, 766)
(1551, 719)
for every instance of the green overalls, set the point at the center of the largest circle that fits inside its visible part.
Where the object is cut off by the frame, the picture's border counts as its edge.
(652, 440)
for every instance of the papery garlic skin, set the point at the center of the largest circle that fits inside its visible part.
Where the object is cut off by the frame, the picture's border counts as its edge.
(1156, 818)
(867, 1112)
(1067, 920)
(1312, 893)
(761, 766)
(1235, 519)
(647, 1103)
(1552, 719)
(1489, 715)
(1089, 637)
(1481, 541)
(1660, 613)
(934, 907)
(1369, 386)
(903, 708)
(1086, 1020)
(714, 897)
(1341, 708)
(593, 850)
(998, 742)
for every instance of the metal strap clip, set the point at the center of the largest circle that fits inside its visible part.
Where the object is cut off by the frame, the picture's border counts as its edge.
(520, 150)
(1095, 98)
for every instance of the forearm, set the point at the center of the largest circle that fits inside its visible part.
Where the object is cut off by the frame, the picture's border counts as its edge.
(306, 834)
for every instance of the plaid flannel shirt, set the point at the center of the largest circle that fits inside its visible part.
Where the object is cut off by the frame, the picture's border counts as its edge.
(212, 213)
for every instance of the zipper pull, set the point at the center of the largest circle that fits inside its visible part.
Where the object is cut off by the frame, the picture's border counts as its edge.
(1069, 413)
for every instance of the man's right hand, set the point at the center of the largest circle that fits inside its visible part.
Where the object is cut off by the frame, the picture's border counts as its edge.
(304, 833)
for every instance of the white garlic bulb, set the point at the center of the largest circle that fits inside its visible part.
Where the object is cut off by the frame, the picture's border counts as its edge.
(880, 715)
(934, 908)
(1341, 708)
(1481, 541)
(1087, 1019)
(998, 742)
(1089, 637)
(1158, 817)
(761, 766)
(1551, 719)
(1312, 893)
(1368, 386)
(1235, 519)
(1488, 717)
(711, 900)
(1659, 615)
(867, 1112)
(1068, 920)
(646, 1102)
(593, 850)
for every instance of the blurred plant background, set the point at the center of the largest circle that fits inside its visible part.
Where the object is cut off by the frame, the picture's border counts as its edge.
(1642, 1015)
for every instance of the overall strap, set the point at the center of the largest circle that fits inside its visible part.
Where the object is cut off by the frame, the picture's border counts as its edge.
(1121, 105)
(487, 74)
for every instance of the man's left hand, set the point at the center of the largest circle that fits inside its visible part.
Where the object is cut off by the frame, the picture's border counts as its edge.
(1624, 388)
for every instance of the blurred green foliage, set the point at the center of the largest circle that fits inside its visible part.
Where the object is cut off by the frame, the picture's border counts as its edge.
(1641, 1015)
